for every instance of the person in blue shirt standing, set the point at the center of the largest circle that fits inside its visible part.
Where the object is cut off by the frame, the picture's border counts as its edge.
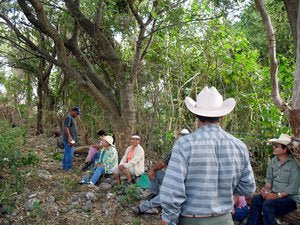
(206, 168)
(70, 133)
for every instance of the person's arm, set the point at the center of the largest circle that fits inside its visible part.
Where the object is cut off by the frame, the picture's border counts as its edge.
(158, 166)
(138, 156)
(67, 124)
(172, 191)
(246, 185)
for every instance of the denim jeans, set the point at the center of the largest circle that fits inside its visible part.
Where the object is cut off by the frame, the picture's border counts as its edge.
(269, 208)
(67, 157)
(157, 181)
(96, 174)
(153, 203)
(240, 213)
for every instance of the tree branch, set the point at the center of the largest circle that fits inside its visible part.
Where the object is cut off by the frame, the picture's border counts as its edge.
(272, 55)
(135, 14)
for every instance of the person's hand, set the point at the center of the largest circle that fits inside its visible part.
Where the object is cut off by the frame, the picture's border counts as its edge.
(151, 174)
(121, 167)
(263, 192)
(98, 165)
(269, 196)
(71, 142)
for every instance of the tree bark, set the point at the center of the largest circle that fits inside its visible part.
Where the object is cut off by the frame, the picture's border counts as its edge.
(292, 12)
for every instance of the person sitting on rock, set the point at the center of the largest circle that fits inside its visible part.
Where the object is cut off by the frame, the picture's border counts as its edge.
(104, 161)
(93, 150)
(156, 175)
(281, 190)
(132, 163)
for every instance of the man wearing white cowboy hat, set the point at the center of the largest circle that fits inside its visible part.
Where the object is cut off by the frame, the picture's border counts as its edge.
(206, 167)
(280, 192)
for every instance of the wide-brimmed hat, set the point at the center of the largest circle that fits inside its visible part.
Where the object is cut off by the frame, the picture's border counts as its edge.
(209, 103)
(283, 139)
(184, 131)
(109, 140)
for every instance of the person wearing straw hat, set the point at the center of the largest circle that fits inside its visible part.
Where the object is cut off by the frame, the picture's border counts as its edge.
(132, 163)
(104, 161)
(280, 192)
(156, 175)
(206, 167)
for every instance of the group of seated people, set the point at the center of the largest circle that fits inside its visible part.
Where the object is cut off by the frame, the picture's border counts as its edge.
(277, 197)
(102, 159)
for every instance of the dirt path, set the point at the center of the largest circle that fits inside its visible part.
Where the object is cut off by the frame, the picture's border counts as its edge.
(51, 196)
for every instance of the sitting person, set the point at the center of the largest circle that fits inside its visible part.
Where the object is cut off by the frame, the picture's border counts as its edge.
(156, 175)
(104, 161)
(240, 208)
(93, 150)
(279, 194)
(132, 162)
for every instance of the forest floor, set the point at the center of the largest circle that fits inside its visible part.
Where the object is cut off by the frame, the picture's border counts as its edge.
(51, 196)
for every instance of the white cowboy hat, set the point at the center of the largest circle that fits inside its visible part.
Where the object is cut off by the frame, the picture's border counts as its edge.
(109, 140)
(184, 131)
(283, 139)
(209, 103)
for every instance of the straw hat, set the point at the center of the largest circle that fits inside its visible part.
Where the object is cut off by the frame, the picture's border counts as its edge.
(209, 103)
(109, 140)
(283, 139)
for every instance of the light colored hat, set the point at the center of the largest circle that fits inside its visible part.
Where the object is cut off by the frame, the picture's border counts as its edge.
(109, 140)
(283, 139)
(209, 103)
(184, 131)
(136, 136)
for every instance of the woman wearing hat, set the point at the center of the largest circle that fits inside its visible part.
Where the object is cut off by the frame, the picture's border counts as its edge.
(132, 163)
(104, 162)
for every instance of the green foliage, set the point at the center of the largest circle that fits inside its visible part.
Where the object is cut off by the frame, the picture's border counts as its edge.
(29, 159)
(57, 156)
(129, 194)
(136, 222)
(69, 184)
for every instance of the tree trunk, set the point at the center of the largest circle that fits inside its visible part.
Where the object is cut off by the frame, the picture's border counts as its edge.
(292, 12)
(39, 119)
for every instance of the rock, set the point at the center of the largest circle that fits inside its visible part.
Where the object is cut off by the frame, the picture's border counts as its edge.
(105, 186)
(108, 180)
(29, 206)
(45, 174)
(109, 195)
(82, 194)
(88, 206)
(91, 196)
(75, 198)
(51, 198)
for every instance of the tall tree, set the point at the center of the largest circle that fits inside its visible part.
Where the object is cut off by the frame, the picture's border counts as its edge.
(293, 112)
(86, 37)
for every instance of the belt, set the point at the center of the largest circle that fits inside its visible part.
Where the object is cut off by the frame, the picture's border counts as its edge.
(203, 216)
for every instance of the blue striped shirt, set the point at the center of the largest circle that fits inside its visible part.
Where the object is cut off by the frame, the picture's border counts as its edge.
(206, 168)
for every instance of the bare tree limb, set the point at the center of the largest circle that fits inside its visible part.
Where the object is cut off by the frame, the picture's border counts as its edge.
(272, 55)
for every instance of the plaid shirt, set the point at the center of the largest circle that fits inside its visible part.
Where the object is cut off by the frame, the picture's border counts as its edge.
(206, 168)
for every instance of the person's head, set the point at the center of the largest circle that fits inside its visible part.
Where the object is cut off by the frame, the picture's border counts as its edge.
(209, 106)
(107, 141)
(101, 133)
(280, 145)
(135, 140)
(75, 112)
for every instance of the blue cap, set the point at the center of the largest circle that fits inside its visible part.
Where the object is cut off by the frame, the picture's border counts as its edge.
(76, 109)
